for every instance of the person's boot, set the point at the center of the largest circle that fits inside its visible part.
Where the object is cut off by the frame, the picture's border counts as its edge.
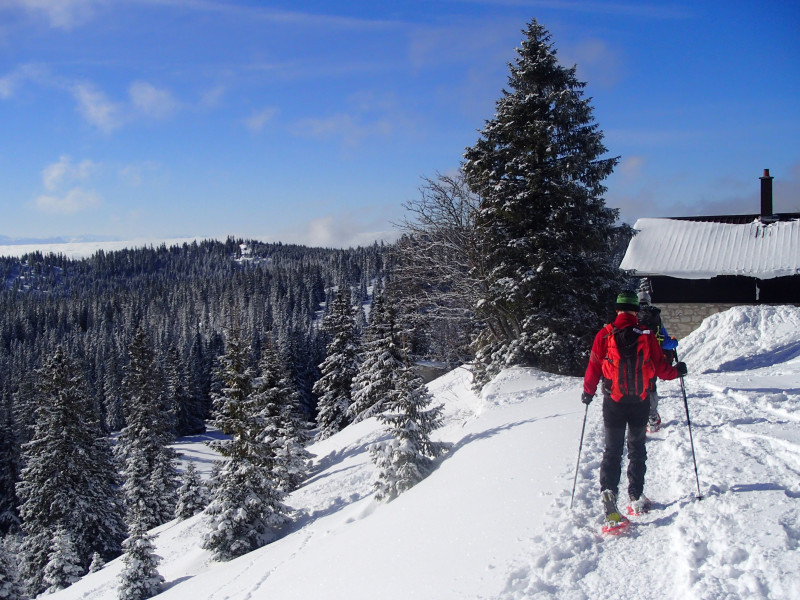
(654, 423)
(614, 521)
(639, 506)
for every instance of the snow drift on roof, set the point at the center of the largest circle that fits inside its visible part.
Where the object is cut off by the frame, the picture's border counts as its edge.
(701, 250)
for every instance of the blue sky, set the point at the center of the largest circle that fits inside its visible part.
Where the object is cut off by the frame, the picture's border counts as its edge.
(313, 122)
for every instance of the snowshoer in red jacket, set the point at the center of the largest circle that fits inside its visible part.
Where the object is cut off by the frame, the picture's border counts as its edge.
(627, 358)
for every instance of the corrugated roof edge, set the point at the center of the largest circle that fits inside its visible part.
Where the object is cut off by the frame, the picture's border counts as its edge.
(738, 219)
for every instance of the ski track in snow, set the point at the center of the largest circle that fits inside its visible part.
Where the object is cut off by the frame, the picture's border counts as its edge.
(693, 557)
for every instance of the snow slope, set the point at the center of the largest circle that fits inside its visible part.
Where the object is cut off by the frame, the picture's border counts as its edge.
(493, 521)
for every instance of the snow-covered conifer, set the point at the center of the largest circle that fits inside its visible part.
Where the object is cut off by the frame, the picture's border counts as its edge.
(97, 563)
(9, 586)
(380, 360)
(64, 566)
(246, 507)
(150, 465)
(340, 366)
(538, 168)
(192, 496)
(185, 407)
(278, 400)
(69, 481)
(9, 473)
(139, 578)
(407, 456)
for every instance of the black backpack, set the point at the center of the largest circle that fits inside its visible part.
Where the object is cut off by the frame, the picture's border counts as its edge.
(649, 317)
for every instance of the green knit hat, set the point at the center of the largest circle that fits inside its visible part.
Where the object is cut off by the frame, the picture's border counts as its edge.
(628, 300)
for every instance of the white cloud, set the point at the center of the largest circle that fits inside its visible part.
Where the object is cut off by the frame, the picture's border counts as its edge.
(351, 130)
(75, 200)
(62, 14)
(137, 174)
(63, 196)
(258, 120)
(152, 101)
(344, 230)
(65, 171)
(10, 83)
(96, 108)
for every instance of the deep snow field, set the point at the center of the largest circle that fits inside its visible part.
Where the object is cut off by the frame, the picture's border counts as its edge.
(493, 521)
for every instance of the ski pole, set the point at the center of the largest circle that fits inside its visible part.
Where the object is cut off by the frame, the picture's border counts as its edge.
(691, 441)
(577, 466)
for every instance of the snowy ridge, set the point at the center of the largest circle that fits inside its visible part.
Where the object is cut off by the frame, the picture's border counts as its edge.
(493, 520)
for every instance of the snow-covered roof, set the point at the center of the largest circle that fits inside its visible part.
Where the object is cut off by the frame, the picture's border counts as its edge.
(701, 249)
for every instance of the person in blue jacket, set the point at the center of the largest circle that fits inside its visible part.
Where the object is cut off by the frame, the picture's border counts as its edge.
(650, 316)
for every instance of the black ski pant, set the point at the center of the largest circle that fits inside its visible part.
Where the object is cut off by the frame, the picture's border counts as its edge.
(631, 413)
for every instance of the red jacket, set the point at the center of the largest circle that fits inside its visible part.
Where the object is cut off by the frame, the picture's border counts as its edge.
(594, 371)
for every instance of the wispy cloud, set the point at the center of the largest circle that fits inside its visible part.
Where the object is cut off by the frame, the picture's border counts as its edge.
(343, 231)
(74, 201)
(213, 97)
(65, 172)
(63, 196)
(13, 81)
(348, 128)
(69, 14)
(152, 101)
(275, 15)
(8, 86)
(458, 42)
(652, 10)
(137, 174)
(144, 100)
(94, 104)
(259, 119)
(61, 14)
(653, 137)
(368, 116)
(97, 108)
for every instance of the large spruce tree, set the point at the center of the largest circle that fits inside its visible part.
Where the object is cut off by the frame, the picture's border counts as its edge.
(538, 168)
(68, 484)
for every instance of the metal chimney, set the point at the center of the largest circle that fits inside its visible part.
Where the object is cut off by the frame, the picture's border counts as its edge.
(766, 194)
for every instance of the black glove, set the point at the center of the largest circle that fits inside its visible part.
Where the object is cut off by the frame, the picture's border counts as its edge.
(587, 398)
(681, 366)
